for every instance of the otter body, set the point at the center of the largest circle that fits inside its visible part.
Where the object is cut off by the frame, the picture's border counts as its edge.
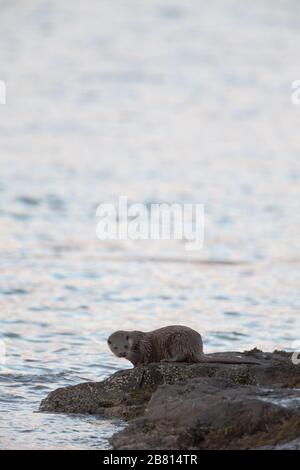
(169, 344)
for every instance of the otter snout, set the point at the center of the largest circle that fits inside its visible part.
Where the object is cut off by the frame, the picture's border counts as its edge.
(122, 354)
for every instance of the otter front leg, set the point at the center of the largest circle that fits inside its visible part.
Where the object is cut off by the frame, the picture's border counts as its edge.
(139, 363)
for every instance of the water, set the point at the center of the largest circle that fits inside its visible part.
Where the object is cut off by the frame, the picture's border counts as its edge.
(161, 101)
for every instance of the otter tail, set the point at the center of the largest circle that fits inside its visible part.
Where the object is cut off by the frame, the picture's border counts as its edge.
(204, 359)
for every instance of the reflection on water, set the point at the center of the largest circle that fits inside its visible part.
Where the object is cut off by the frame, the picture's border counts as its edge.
(166, 101)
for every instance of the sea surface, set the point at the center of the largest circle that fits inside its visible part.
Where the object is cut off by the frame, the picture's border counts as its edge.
(159, 101)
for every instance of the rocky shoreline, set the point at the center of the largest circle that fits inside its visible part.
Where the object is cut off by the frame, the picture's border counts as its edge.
(196, 406)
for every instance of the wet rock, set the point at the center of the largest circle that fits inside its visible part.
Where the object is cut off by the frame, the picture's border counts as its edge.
(212, 413)
(293, 445)
(195, 406)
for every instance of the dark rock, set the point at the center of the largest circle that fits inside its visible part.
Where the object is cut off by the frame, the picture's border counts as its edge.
(195, 406)
(212, 413)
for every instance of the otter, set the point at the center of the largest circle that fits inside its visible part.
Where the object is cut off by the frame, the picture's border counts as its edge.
(174, 343)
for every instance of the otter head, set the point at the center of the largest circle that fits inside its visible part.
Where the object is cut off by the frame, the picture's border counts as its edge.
(119, 343)
(132, 345)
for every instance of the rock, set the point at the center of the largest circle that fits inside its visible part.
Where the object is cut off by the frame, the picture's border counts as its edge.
(293, 445)
(195, 406)
(212, 413)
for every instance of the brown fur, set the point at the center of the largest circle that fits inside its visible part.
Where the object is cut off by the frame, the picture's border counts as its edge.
(169, 344)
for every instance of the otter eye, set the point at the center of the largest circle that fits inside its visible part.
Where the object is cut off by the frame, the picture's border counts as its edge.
(109, 342)
(127, 337)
